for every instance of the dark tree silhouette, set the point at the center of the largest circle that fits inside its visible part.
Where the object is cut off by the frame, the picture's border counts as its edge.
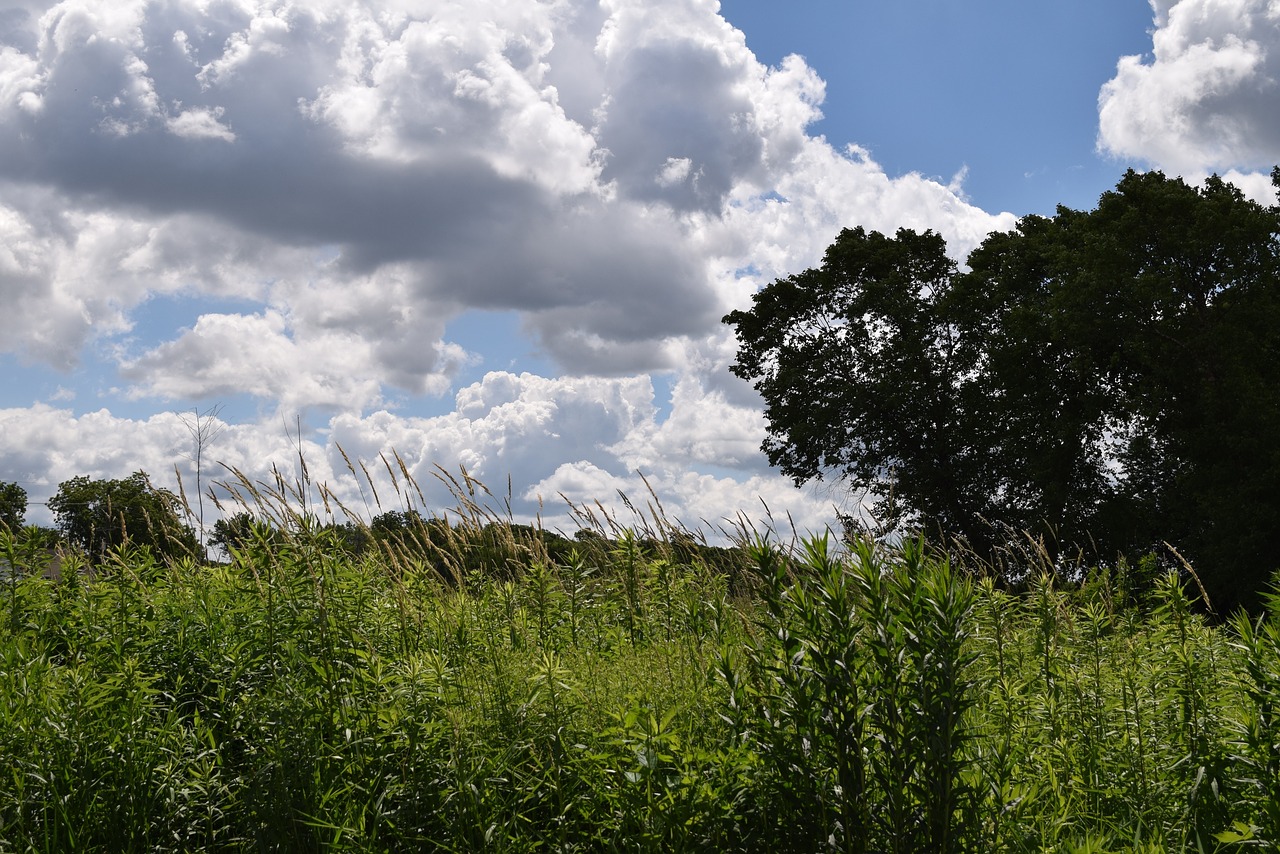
(13, 506)
(1108, 378)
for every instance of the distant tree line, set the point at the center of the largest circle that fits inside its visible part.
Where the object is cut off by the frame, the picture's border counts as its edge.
(102, 516)
(464, 549)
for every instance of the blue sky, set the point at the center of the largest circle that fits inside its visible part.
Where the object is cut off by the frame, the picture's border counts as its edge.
(1006, 88)
(501, 234)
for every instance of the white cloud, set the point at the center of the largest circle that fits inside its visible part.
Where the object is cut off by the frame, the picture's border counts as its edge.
(441, 145)
(42, 446)
(1207, 98)
(470, 79)
(202, 123)
(674, 171)
(704, 429)
(66, 276)
(224, 354)
(713, 506)
(507, 425)
(318, 188)
(552, 439)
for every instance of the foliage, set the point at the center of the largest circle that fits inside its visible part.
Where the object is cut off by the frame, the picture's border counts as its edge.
(301, 698)
(1107, 380)
(101, 516)
(458, 683)
(13, 505)
(232, 533)
(856, 699)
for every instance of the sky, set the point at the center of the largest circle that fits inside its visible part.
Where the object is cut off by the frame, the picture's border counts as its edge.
(500, 235)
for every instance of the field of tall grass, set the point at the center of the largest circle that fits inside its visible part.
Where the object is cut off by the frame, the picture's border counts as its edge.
(483, 692)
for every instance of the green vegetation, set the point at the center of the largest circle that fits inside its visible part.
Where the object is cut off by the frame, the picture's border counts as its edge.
(13, 505)
(99, 516)
(1092, 385)
(471, 684)
(1108, 380)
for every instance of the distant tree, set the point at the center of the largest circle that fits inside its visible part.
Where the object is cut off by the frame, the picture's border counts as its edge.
(351, 538)
(13, 505)
(1109, 379)
(100, 515)
(397, 526)
(233, 533)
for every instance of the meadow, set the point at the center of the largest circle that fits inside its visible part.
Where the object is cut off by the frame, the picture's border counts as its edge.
(627, 690)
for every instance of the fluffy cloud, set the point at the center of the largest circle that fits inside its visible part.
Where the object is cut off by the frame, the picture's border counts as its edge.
(439, 141)
(510, 426)
(320, 188)
(1207, 98)
(229, 354)
(42, 446)
(553, 440)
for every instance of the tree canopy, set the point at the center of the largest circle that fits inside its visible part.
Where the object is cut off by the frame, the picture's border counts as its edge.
(101, 515)
(1110, 378)
(13, 505)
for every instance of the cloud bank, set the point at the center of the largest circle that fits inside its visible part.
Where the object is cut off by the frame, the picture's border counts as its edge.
(325, 186)
(1207, 99)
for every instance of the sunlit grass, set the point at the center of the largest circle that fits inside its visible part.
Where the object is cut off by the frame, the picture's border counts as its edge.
(482, 685)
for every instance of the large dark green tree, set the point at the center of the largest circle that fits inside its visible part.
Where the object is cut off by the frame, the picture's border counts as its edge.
(1110, 378)
(101, 515)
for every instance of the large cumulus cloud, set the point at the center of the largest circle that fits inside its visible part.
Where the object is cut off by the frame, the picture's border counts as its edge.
(1208, 96)
(431, 135)
(326, 185)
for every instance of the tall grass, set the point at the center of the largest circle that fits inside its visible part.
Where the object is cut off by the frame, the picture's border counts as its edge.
(473, 684)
